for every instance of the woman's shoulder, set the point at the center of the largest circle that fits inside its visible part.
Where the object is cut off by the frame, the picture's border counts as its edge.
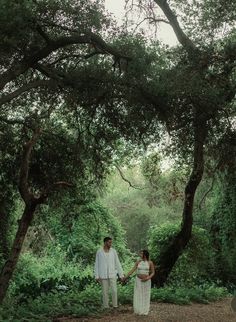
(138, 262)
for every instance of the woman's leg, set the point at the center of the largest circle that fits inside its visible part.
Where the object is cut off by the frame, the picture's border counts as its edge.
(136, 298)
(142, 295)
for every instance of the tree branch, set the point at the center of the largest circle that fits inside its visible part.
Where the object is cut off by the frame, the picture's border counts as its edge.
(59, 184)
(26, 195)
(185, 41)
(152, 20)
(62, 184)
(93, 53)
(34, 84)
(42, 33)
(126, 180)
(49, 72)
(58, 76)
(33, 57)
(206, 193)
(11, 121)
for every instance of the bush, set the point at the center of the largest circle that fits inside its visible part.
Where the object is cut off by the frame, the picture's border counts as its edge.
(182, 295)
(81, 228)
(195, 265)
(73, 303)
(37, 275)
(223, 226)
(125, 292)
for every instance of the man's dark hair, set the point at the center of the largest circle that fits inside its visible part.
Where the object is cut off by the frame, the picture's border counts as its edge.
(106, 239)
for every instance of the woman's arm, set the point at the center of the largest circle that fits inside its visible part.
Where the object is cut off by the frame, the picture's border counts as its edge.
(132, 270)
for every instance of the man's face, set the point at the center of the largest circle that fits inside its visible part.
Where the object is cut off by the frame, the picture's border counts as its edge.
(108, 243)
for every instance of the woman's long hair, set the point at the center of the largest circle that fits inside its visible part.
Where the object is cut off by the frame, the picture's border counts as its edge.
(145, 254)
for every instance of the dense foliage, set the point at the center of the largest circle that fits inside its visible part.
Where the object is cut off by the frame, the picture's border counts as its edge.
(102, 101)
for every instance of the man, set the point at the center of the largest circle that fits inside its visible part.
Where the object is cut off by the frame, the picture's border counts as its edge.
(107, 265)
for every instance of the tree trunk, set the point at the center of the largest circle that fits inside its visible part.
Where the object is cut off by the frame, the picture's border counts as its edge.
(169, 257)
(6, 207)
(4, 249)
(10, 264)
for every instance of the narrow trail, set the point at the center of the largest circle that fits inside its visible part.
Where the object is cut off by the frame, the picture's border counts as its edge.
(220, 311)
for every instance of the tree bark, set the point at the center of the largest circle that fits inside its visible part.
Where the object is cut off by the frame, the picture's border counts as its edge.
(10, 265)
(169, 257)
(6, 207)
(4, 249)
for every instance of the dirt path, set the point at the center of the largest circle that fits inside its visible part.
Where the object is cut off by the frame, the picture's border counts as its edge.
(220, 311)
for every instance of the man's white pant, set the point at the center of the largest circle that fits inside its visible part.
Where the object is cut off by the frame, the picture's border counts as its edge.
(109, 283)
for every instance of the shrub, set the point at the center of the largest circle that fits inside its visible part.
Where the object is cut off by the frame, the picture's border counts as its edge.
(195, 265)
(37, 275)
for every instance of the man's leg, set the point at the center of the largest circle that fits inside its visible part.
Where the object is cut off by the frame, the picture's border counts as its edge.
(113, 286)
(105, 293)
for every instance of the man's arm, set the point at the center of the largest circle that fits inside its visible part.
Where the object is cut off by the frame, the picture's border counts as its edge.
(96, 266)
(118, 265)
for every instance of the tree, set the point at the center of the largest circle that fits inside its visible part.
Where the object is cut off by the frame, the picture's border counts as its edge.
(61, 151)
(40, 48)
(44, 36)
(200, 89)
(31, 202)
(59, 63)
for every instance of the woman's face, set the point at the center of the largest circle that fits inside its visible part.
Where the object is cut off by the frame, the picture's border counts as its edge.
(141, 254)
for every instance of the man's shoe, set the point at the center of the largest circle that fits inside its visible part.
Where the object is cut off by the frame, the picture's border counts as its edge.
(107, 309)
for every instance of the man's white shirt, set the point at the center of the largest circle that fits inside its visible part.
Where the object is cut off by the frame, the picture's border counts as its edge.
(107, 264)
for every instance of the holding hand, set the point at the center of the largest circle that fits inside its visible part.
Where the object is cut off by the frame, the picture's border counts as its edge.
(124, 280)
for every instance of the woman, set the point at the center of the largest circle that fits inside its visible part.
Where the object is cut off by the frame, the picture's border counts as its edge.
(142, 287)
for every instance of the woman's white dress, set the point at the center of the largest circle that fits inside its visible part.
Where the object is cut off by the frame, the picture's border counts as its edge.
(142, 290)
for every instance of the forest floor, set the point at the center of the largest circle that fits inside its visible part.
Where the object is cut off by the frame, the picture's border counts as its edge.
(220, 311)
